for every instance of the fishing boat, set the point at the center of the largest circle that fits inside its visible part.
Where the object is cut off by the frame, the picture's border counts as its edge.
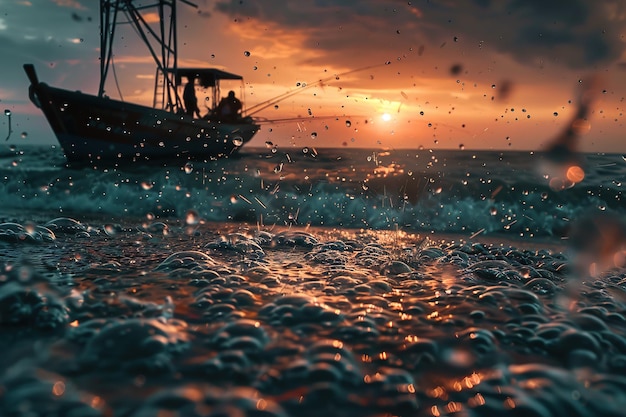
(98, 129)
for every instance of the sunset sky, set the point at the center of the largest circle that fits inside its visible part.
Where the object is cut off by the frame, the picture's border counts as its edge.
(478, 74)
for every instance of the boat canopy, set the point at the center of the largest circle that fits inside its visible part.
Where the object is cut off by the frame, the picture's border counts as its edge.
(207, 77)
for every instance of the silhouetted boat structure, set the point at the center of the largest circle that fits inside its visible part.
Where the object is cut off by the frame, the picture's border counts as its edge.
(93, 129)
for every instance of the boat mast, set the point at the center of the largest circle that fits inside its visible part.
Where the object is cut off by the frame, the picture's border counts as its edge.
(163, 38)
(108, 19)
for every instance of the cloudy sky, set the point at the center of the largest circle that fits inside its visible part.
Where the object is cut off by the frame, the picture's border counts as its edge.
(483, 74)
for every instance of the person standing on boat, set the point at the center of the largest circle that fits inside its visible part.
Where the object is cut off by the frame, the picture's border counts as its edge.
(229, 107)
(190, 99)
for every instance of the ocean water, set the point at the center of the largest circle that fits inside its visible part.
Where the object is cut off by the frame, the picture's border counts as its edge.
(302, 282)
(446, 191)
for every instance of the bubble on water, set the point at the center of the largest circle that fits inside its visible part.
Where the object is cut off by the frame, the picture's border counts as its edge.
(7, 112)
(29, 233)
(135, 344)
(110, 229)
(246, 53)
(157, 227)
(237, 141)
(65, 225)
(305, 150)
(314, 135)
(191, 259)
(188, 168)
(147, 185)
(348, 123)
(192, 217)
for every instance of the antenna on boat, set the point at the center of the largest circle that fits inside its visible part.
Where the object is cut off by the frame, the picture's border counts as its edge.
(162, 43)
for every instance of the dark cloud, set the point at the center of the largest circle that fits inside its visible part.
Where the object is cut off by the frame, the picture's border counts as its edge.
(572, 33)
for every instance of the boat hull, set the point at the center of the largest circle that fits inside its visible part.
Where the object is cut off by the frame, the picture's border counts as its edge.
(92, 129)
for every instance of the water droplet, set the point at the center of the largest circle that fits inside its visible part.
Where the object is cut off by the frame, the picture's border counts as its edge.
(314, 135)
(276, 106)
(188, 168)
(146, 185)
(7, 112)
(575, 174)
(246, 53)
(237, 141)
(24, 135)
(493, 211)
(305, 150)
(461, 146)
(192, 217)
(348, 123)
(555, 114)
(268, 144)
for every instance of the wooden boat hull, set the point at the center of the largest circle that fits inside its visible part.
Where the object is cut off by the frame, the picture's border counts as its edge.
(92, 129)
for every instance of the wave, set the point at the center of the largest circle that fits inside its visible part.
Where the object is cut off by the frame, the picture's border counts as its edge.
(443, 191)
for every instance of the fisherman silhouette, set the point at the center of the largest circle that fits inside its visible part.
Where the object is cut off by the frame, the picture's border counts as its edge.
(190, 99)
(229, 107)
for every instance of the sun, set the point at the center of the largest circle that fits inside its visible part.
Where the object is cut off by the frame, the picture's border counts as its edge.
(386, 117)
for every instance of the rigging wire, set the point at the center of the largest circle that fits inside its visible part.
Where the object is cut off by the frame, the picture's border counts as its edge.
(119, 90)
(267, 103)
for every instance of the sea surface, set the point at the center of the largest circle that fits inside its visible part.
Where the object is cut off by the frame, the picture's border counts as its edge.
(307, 282)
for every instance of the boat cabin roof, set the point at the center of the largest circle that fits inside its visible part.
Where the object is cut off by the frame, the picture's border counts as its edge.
(207, 77)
